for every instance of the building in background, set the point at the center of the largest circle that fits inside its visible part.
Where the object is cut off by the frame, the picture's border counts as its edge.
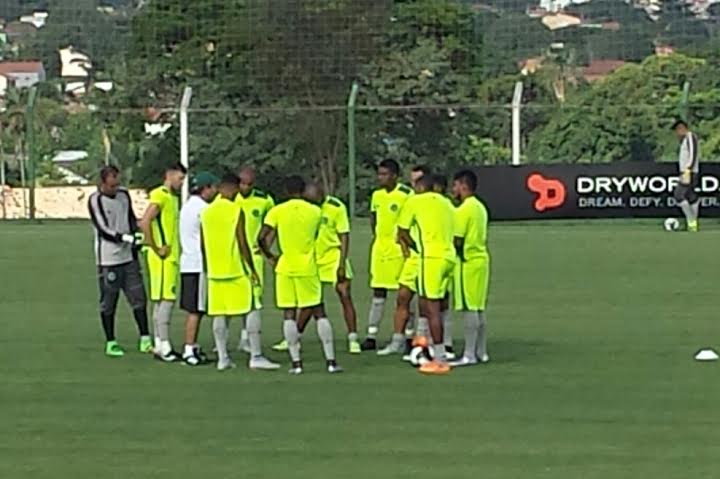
(22, 74)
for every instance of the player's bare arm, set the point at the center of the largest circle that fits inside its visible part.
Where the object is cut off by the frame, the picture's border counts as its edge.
(151, 215)
(459, 247)
(265, 242)
(245, 248)
(405, 239)
(373, 222)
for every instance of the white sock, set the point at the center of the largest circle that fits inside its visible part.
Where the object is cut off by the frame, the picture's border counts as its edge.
(695, 208)
(352, 337)
(439, 352)
(243, 335)
(220, 333)
(482, 336)
(189, 350)
(290, 331)
(325, 333)
(397, 340)
(472, 329)
(163, 313)
(446, 318)
(253, 333)
(423, 327)
(410, 326)
(377, 308)
(687, 210)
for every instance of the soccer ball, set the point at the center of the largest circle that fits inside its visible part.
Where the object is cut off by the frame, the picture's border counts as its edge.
(671, 224)
(420, 356)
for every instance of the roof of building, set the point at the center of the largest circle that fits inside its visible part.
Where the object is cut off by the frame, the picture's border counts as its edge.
(20, 67)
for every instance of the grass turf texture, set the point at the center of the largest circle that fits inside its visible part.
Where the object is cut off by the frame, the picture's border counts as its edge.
(593, 327)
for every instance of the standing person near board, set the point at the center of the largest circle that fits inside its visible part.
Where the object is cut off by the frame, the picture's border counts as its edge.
(689, 166)
(160, 225)
(117, 241)
(193, 282)
(386, 254)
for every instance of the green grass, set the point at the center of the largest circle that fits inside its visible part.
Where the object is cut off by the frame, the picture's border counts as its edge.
(593, 327)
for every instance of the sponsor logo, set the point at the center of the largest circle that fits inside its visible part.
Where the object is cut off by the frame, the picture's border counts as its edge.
(640, 184)
(550, 192)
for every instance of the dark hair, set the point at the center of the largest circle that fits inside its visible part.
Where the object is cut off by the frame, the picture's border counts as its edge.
(230, 179)
(467, 177)
(294, 185)
(176, 167)
(426, 181)
(391, 165)
(679, 123)
(108, 171)
(424, 169)
(439, 180)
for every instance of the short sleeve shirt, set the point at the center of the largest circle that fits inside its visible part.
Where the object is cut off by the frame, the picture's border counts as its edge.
(297, 223)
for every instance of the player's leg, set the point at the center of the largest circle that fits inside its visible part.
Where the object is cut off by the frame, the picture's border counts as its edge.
(344, 293)
(433, 286)
(326, 336)
(446, 317)
(400, 319)
(683, 194)
(375, 315)
(217, 309)
(133, 287)
(286, 301)
(109, 293)
(193, 289)
(470, 294)
(250, 308)
(163, 282)
(259, 263)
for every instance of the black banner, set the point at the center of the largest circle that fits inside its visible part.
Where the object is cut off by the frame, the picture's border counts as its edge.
(612, 190)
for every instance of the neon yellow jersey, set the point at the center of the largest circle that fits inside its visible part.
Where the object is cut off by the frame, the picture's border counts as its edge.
(166, 226)
(219, 222)
(471, 220)
(255, 206)
(334, 221)
(297, 223)
(434, 217)
(387, 206)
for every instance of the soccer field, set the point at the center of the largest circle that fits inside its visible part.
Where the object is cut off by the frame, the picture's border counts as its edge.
(592, 331)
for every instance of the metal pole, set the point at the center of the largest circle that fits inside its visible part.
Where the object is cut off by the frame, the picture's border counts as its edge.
(352, 181)
(516, 102)
(2, 182)
(184, 152)
(684, 101)
(30, 146)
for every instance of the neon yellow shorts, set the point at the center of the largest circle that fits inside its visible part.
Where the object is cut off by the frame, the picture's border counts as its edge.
(164, 277)
(409, 273)
(471, 280)
(385, 268)
(435, 277)
(230, 297)
(297, 291)
(328, 266)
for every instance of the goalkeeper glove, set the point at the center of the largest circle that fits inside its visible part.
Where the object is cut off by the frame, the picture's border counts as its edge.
(685, 177)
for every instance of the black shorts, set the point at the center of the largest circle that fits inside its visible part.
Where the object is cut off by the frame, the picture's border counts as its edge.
(193, 293)
(687, 192)
(122, 277)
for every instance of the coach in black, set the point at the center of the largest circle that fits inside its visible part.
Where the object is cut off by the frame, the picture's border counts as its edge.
(116, 254)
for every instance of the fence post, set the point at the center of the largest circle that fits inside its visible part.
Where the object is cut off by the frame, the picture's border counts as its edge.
(684, 101)
(516, 103)
(184, 142)
(352, 180)
(30, 146)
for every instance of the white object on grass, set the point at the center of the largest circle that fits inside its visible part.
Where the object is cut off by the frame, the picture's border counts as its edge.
(671, 224)
(706, 355)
